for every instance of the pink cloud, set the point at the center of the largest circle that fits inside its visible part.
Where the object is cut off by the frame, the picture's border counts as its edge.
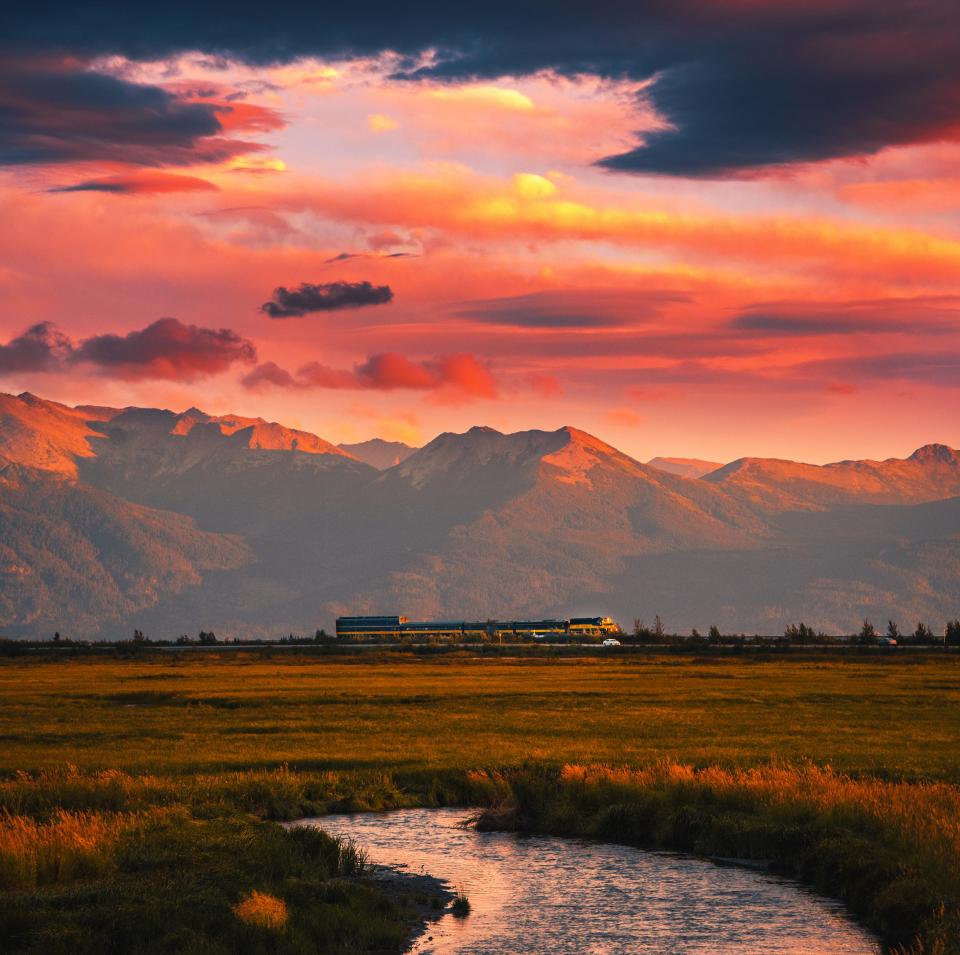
(165, 349)
(388, 371)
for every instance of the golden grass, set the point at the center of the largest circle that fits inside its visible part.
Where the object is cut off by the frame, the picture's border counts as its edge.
(64, 848)
(192, 715)
(925, 816)
(262, 910)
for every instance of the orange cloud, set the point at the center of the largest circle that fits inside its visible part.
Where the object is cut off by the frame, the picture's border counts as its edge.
(498, 97)
(381, 123)
(455, 200)
(545, 385)
(623, 417)
(248, 117)
(906, 195)
(388, 371)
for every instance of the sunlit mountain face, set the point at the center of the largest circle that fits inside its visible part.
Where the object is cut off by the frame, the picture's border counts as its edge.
(698, 228)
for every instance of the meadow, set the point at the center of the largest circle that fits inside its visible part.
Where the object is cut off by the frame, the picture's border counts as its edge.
(187, 713)
(842, 771)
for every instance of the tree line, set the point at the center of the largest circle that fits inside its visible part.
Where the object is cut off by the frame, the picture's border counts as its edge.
(801, 633)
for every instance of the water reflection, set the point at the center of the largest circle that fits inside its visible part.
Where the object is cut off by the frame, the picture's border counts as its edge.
(545, 895)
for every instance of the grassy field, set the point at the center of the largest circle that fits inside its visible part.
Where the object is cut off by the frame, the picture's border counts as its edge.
(842, 771)
(894, 717)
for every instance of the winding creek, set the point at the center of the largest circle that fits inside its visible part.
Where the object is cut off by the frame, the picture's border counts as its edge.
(547, 895)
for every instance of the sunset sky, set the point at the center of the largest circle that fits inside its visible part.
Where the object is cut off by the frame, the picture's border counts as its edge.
(704, 227)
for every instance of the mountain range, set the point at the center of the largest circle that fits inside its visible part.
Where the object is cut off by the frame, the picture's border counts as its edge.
(114, 518)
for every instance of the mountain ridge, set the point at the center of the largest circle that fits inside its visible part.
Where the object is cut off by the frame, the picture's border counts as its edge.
(234, 524)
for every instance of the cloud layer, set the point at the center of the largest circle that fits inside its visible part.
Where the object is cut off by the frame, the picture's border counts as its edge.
(571, 308)
(741, 86)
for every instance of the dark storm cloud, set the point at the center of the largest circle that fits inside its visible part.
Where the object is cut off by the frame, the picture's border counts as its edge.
(42, 347)
(325, 297)
(751, 110)
(56, 114)
(578, 308)
(744, 85)
(166, 349)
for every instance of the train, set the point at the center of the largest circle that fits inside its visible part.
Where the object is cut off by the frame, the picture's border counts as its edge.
(393, 627)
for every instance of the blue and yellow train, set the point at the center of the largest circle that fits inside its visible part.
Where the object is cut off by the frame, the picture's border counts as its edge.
(398, 627)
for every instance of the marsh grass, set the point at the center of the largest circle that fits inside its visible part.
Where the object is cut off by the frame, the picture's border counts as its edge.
(171, 882)
(67, 847)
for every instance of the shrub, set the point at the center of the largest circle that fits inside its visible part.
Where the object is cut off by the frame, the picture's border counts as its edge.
(262, 910)
(461, 904)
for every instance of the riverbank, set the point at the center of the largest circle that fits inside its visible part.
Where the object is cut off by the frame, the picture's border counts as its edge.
(890, 851)
(167, 879)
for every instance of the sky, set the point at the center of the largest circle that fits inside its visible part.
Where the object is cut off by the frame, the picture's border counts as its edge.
(696, 228)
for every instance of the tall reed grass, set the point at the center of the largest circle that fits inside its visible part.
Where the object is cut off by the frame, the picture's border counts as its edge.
(67, 847)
